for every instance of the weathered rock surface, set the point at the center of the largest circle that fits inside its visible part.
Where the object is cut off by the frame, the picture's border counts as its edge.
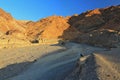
(10, 29)
(52, 27)
(97, 27)
(101, 38)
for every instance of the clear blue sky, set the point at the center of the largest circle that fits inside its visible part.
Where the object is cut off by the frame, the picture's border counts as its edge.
(36, 9)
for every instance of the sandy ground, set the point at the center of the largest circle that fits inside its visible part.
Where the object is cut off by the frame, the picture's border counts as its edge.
(109, 64)
(55, 62)
(14, 61)
(24, 61)
(56, 66)
(103, 65)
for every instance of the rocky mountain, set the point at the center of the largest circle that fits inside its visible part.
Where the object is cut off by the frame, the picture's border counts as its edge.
(10, 26)
(51, 27)
(12, 32)
(98, 27)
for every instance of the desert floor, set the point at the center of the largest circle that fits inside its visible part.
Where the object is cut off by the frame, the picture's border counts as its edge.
(56, 62)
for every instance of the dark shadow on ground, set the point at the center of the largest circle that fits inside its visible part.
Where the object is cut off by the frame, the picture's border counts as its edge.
(18, 68)
(13, 70)
(89, 69)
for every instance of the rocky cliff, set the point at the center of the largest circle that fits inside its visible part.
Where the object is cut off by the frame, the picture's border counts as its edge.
(98, 27)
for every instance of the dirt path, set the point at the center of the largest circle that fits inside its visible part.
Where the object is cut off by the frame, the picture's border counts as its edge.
(16, 60)
(55, 66)
(98, 66)
(107, 70)
(62, 62)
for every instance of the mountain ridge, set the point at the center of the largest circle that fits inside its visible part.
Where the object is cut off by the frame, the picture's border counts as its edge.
(79, 28)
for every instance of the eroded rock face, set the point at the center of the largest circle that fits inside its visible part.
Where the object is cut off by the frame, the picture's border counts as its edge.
(92, 27)
(52, 27)
(91, 20)
(9, 25)
(108, 18)
(101, 38)
(99, 27)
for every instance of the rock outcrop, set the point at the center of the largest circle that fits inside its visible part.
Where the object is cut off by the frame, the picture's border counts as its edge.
(101, 38)
(10, 26)
(51, 28)
(100, 27)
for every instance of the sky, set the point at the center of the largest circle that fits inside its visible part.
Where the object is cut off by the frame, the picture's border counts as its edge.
(38, 9)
